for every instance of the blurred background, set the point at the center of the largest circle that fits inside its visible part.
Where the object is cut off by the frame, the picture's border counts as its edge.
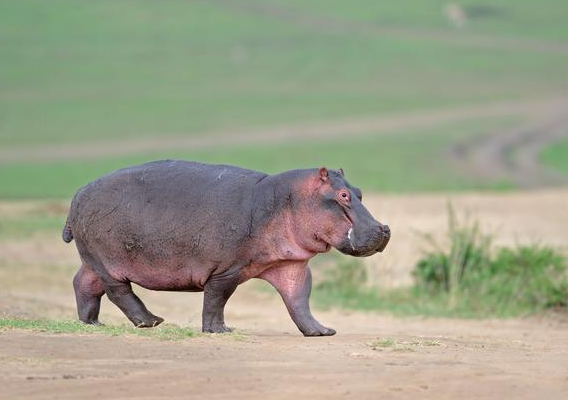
(405, 96)
(422, 103)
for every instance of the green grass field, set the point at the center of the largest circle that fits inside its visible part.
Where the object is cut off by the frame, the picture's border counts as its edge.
(77, 72)
(557, 156)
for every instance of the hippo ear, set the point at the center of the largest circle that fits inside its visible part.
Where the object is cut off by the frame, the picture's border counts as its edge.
(341, 172)
(323, 174)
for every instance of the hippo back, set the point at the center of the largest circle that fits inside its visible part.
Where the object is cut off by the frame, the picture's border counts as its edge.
(166, 211)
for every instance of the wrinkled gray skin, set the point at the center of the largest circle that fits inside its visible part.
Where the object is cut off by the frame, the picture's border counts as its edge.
(185, 226)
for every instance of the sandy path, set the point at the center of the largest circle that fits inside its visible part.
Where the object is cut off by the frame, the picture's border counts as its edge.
(430, 358)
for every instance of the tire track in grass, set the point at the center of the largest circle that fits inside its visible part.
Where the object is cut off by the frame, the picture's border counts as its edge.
(514, 155)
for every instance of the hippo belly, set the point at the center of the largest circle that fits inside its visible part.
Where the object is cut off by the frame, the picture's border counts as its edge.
(182, 277)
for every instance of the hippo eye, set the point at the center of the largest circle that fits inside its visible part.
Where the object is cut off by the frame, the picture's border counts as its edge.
(344, 196)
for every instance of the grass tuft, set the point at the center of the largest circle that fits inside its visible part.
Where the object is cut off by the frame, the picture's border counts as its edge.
(473, 277)
(163, 332)
(381, 344)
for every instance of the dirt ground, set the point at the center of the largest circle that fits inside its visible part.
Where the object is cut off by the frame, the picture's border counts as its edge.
(412, 357)
(437, 359)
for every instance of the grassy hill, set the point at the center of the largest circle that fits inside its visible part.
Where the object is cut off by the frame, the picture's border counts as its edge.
(117, 72)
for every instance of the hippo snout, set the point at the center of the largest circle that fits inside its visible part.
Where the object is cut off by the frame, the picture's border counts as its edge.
(364, 242)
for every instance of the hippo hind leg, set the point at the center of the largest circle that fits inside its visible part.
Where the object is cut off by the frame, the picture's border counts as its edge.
(88, 292)
(121, 294)
(90, 287)
(118, 292)
(216, 292)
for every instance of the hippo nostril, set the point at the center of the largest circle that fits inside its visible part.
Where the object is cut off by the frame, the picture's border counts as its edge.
(385, 230)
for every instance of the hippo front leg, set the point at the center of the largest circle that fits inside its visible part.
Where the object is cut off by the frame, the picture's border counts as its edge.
(294, 283)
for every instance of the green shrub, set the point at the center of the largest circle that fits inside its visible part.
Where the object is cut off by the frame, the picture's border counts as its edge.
(468, 252)
(529, 277)
(468, 279)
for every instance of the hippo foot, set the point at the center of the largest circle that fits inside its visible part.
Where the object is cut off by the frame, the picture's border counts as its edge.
(217, 328)
(319, 331)
(148, 322)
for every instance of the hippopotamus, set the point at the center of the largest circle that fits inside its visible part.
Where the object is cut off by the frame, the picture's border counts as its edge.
(187, 226)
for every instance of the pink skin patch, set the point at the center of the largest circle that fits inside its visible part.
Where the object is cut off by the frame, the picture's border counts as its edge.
(288, 278)
(298, 235)
(294, 282)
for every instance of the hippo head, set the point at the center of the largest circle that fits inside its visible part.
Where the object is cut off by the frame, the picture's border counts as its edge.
(343, 221)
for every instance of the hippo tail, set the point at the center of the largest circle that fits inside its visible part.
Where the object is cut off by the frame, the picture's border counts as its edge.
(67, 234)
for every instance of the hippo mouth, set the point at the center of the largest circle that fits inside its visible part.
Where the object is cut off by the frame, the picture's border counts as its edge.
(382, 244)
(325, 245)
